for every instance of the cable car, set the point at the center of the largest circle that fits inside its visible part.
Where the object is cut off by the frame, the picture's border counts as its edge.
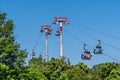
(86, 55)
(57, 33)
(33, 53)
(98, 49)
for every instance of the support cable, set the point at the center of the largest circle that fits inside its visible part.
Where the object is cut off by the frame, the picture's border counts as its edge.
(36, 42)
(89, 45)
(97, 39)
(102, 33)
(112, 57)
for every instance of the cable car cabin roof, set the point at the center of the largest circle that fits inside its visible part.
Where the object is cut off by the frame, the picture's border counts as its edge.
(98, 46)
(86, 51)
(57, 32)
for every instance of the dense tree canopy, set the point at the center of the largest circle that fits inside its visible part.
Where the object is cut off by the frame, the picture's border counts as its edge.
(11, 57)
(12, 63)
(106, 70)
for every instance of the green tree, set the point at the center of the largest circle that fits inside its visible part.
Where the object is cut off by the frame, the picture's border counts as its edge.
(114, 75)
(52, 69)
(104, 70)
(36, 63)
(30, 74)
(79, 71)
(11, 57)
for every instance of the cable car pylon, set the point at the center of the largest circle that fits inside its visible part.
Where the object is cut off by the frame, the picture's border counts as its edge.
(60, 20)
(48, 30)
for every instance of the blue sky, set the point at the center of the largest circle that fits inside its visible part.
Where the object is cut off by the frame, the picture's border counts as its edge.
(101, 15)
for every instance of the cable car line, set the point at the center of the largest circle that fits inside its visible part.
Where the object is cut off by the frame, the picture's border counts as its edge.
(103, 42)
(74, 36)
(111, 46)
(36, 42)
(86, 54)
(35, 45)
(102, 33)
(41, 52)
(112, 57)
(87, 34)
(97, 39)
(89, 45)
